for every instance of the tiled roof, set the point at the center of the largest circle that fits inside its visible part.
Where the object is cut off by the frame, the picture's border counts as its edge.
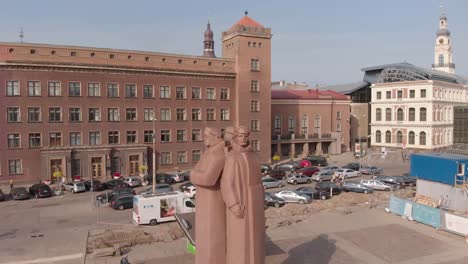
(247, 21)
(307, 95)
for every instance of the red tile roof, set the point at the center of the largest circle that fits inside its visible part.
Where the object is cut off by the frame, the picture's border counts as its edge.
(307, 94)
(247, 21)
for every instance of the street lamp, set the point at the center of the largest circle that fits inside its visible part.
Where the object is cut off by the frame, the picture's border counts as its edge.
(154, 153)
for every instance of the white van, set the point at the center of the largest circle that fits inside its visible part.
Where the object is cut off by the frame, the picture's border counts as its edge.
(158, 208)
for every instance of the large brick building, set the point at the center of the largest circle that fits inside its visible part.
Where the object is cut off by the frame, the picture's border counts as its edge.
(89, 111)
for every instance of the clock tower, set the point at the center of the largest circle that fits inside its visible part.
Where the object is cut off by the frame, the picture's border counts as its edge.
(443, 55)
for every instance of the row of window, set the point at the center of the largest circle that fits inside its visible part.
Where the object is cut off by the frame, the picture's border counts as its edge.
(399, 95)
(113, 114)
(400, 116)
(399, 137)
(304, 122)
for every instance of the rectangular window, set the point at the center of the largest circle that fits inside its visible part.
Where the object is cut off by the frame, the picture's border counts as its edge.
(94, 114)
(112, 90)
(34, 114)
(148, 91)
(254, 65)
(379, 95)
(388, 95)
(423, 93)
(254, 125)
(55, 139)
(131, 137)
(130, 91)
(400, 94)
(196, 155)
(13, 88)
(55, 114)
(113, 115)
(338, 115)
(94, 138)
(181, 157)
(254, 106)
(94, 89)
(254, 86)
(34, 140)
(34, 88)
(113, 137)
(13, 114)
(338, 127)
(75, 138)
(224, 114)
(55, 88)
(148, 114)
(461, 169)
(13, 141)
(196, 114)
(210, 94)
(148, 136)
(166, 158)
(196, 93)
(15, 167)
(180, 92)
(75, 114)
(181, 114)
(196, 135)
(131, 114)
(224, 94)
(165, 114)
(181, 135)
(74, 89)
(165, 136)
(164, 92)
(255, 145)
(412, 93)
(210, 114)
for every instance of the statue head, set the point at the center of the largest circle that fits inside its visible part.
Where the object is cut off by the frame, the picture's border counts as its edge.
(229, 133)
(212, 137)
(241, 136)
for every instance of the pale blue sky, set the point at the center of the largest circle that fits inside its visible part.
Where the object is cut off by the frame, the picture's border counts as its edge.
(325, 42)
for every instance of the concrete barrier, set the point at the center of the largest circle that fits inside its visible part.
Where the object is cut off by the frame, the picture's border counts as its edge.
(455, 224)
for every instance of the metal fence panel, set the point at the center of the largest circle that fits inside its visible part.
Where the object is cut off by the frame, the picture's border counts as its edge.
(426, 215)
(400, 206)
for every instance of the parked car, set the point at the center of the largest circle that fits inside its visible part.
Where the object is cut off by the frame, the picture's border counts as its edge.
(409, 180)
(176, 177)
(314, 193)
(290, 196)
(397, 182)
(183, 187)
(308, 171)
(96, 186)
(378, 185)
(111, 184)
(2, 196)
(269, 182)
(191, 192)
(318, 160)
(74, 187)
(326, 186)
(347, 173)
(122, 202)
(289, 166)
(277, 174)
(40, 190)
(305, 163)
(160, 178)
(186, 175)
(371, 170)
(353, 166)
(273, 200)
(330, 169)
(353, 186)
(265, 168)
(322, 176)
(19, 193)
(296, 178)
(160, 188)
(133, 181)
(105, 197)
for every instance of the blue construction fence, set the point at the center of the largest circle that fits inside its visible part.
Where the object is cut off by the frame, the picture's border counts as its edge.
(434, 217)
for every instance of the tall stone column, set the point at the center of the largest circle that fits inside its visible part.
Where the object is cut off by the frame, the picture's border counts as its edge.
(293, 150)
(319, 148)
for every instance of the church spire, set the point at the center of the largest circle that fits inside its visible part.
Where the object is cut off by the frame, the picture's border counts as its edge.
(208, 43)
(443, 54)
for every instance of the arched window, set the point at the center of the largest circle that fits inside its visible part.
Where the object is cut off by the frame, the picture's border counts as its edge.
(305, 125)
(388, 137)
(388, 114)
(441, 60)
(378, 136)
(291, 124)
(317, 123)
(422, 138)
(411, 136)
(400, 114)
(277, 124)
(412, 114)
(399, 137)
(422, 114)
(378, 114)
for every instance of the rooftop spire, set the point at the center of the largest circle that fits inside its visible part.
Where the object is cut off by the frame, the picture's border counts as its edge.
(21, 35)
(442, 8)
(208, 43)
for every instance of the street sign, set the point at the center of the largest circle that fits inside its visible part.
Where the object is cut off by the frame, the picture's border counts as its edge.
(57, 174)
(276, 157)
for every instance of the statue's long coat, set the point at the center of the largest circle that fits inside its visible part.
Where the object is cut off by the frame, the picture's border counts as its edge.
(210, 217)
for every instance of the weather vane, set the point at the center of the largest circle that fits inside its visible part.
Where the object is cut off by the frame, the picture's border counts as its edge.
(21, 35)
(442, 7)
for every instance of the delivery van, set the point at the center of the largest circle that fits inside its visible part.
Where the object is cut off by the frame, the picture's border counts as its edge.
(158, 208)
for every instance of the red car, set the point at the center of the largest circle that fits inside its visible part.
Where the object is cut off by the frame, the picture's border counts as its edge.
(308, 171)
(305, 163)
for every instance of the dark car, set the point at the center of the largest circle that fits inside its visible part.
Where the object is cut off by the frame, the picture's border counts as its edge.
(160, 178)
(397, 181)
(317, 160)
(111, 184)
(325, 186)
(265, 168)
(40, 190)
(409, 180)
(105, 197)
(185, 186)
(19, 193)
(353, 186)
(186, 175)
(122, 202)
(309, 171)
(353, 166)
(97, 186)
(272, 200)
(277, 174)
(2, 196)
(314, 193)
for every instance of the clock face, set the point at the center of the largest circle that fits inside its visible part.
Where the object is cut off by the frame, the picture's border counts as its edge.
(441, 41)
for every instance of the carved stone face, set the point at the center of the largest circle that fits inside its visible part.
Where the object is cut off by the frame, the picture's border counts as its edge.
(242, 138)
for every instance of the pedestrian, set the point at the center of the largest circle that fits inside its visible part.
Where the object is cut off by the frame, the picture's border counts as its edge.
(11, 184)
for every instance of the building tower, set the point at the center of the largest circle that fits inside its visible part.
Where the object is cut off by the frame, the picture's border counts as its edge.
(443, 55)
(208, 43)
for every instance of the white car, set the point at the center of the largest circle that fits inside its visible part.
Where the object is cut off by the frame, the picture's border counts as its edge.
(378, 185)
(132, 181)
(74, 187)
(190, 192)
(346, 173)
